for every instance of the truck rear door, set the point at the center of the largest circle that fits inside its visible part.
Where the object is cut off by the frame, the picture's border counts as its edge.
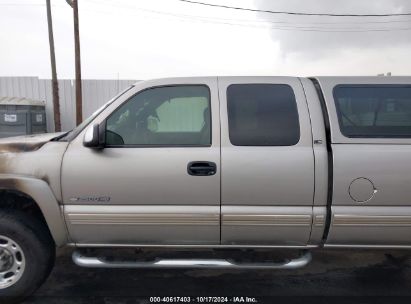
(267, 175)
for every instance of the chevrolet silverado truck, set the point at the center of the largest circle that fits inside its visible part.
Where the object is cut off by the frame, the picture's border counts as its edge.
(212, 163)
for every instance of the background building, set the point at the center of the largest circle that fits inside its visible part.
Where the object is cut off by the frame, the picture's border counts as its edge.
(96, 92)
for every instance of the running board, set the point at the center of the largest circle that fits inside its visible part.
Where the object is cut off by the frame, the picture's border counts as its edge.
(100, 262)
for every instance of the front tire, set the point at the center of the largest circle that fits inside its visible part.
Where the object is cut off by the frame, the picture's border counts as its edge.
(27, 254)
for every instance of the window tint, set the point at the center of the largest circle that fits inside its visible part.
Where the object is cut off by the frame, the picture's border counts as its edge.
(262, 115)
(175, 115)
(374, 110)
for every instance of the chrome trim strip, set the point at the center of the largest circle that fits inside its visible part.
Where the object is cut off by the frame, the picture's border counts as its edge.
(143, 219)
(371, 220)
(337, 246)
(266, 220)
(101, 262)
(190, 246)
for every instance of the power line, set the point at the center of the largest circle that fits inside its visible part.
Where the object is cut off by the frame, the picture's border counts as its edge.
(28, 4)
(293, 13)
(281, 27)
(277, 25)
(22, 4)
(240, 20)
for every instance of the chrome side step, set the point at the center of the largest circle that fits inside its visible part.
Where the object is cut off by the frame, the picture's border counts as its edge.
(100, 262)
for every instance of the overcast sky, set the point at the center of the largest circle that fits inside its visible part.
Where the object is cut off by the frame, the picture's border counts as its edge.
(145, 39)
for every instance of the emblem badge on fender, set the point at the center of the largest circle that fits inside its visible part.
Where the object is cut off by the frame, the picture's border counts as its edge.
(96, 199)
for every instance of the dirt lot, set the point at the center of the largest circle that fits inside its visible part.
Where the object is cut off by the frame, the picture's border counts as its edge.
(334, 276)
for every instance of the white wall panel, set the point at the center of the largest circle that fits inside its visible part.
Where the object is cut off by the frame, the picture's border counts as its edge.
(96, 92)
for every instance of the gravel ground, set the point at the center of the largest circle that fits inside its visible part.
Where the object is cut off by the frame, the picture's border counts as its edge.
(334, 276)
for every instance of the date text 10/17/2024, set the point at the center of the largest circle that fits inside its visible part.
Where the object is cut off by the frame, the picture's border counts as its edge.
(239, 299)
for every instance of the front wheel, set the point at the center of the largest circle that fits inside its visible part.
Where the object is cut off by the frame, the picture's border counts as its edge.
(27, 254)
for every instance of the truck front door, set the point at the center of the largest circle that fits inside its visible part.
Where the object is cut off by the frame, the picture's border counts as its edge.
(157, 180)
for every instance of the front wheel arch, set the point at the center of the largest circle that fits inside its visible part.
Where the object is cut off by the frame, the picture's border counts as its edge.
(42, 198)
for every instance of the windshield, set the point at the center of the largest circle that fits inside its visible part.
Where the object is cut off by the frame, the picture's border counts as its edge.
(74, 132)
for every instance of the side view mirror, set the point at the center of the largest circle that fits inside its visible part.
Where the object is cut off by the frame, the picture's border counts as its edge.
(94, 136)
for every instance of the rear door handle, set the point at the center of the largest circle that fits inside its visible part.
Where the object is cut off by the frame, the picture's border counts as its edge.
(201, 168)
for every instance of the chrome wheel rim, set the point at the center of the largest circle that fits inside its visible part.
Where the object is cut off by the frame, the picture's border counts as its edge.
(12, 262)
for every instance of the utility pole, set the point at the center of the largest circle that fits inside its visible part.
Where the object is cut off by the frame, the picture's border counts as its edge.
(79, 101)
(55, 86)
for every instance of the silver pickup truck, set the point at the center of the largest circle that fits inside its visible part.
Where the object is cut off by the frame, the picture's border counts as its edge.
(212, 163)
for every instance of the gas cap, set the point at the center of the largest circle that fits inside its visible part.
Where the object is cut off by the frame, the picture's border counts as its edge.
(362, 190)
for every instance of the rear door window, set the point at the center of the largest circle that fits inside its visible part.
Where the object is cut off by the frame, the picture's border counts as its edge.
(262, 115)
(374, 111)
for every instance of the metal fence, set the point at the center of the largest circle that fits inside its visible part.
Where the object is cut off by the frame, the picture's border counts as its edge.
(95, 94)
